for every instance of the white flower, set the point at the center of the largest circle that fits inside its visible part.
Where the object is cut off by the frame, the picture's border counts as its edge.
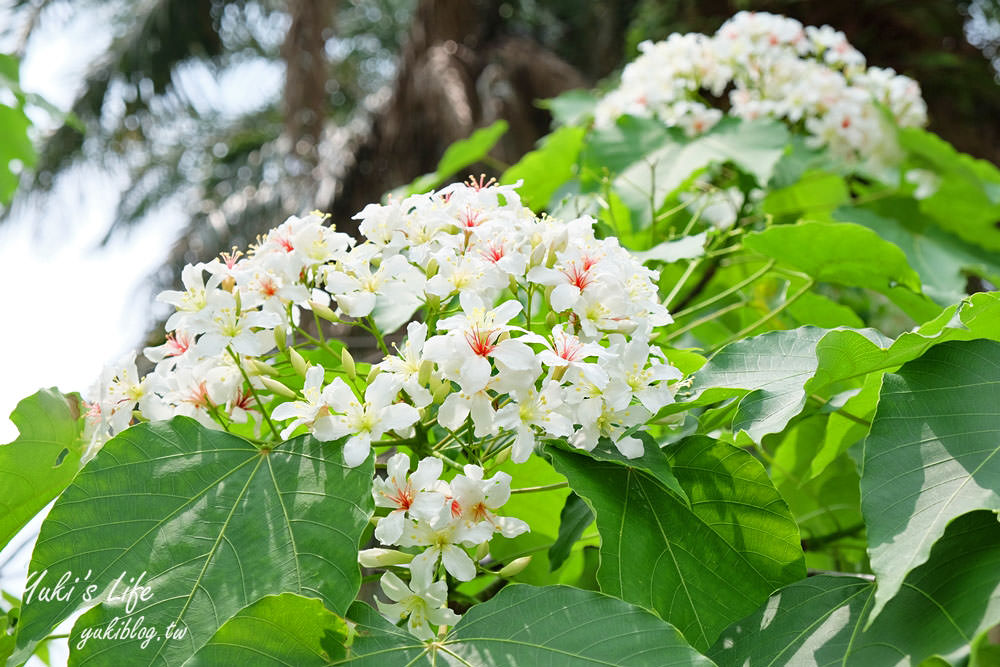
(421, 603)
(415, 494)
(533, 409)
(441, 536)
(475, 497)
(363, 422)
(307, 411)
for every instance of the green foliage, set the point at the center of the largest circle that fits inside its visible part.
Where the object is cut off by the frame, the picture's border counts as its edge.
(930, 456)
(459, 155)
(210, 523)
(697, 566)
(14, 126)
(824, 619)
(42, 461)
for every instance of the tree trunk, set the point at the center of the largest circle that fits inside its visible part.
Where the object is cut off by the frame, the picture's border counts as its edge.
(457, 72)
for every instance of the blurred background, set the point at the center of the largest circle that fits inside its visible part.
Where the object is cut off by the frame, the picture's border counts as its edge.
(165, 131)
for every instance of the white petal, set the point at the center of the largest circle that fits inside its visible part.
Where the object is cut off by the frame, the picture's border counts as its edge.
(356, 450)
(458, 563)
(474, 374)
(390, 527)
(428, 471)
(564, 297)
(515, 354)
(394, 587)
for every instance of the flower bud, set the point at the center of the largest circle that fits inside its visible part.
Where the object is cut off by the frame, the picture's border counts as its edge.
(441, 392)
(277, 388)
(279, 337)
(260, 368)
(424, 375)
(482, 551)
(347, 361)
(373, 373)
(502, 457)
(228, 283)
(324, 311)
(515, 567)
(298, 363)
(432, 268)
(551, 320)
(383, 557)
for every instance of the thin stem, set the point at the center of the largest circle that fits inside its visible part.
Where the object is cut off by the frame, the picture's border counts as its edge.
(702, 320)
(544, 487)
(769, 316)
(722, 295)
(692, 265)
(378, 335)
(256, 398)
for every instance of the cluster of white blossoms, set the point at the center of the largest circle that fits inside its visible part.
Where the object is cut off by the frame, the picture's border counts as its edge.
(442, 518)
(770, 66)
(531, 328)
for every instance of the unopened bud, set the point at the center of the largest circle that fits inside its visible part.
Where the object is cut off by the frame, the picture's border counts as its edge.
(515, 567)
(228, 283)
(324, 311)
(277, 388)
(432, 268)
(482, 551)
(424, 376)
(502, 457)
(383, 557)
(558, 372)
(347, 361)
(373, 373)
(239, 301)
(260, 368)
(551, 320)
(441, 392)
(298, 363)
(279, 337)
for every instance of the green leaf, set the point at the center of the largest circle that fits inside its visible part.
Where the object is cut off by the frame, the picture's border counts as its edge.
(528, 625)
(753, 146)
(42, 461)
(573, 520)
(546, 169)
(845, 354)
(460, 155)
(210, 523)
(941, 259)
(573, 107)
(16, 145)
(814, 192)
(700, 566)
(773, 367)
(615, 148)
(967, 199)
(931, 455)
(284, 629)
(820, 621)
(845, 254)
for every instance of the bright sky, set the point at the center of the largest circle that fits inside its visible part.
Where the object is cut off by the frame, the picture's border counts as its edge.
(70, 305)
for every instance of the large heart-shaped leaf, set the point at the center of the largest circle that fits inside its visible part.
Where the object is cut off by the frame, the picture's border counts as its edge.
(699, 566)
(931, 455)
(521, 625)
(208, 522)
(942, 607)
(43, 460)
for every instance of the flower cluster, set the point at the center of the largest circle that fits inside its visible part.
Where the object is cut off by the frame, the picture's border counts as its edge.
(770, 66)
(532, 328)
(443, 519)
